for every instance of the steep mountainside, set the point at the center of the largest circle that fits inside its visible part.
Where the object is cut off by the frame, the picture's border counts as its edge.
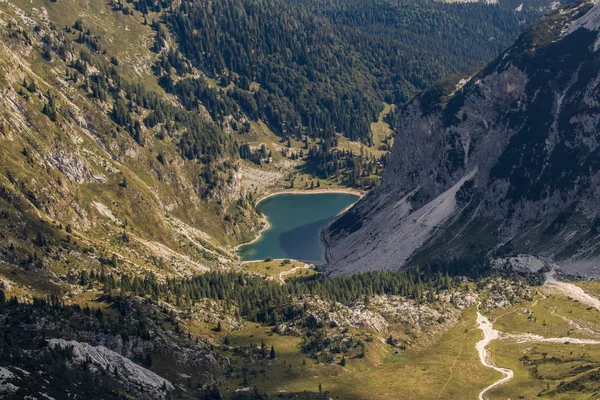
(98, 165)
(137, 135)
(501, 163)
(135, 138)
(323, 67)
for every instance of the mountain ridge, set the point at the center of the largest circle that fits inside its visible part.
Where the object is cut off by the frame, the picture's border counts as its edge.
(519, 123)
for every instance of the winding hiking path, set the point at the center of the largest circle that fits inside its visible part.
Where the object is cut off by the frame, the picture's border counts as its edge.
(490, 334)
(291, 271)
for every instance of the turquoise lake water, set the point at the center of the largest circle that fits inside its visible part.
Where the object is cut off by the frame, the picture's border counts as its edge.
(295, 222)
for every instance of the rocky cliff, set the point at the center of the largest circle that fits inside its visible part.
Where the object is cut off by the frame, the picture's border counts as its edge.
(503, 162)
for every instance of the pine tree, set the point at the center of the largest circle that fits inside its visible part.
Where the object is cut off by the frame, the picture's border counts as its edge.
(40, 240)
(32, 87)
(390, 340)
(148, 360)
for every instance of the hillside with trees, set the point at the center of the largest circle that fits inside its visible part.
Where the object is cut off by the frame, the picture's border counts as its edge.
(319, 67)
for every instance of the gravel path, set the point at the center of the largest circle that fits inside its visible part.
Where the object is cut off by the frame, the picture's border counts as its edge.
(490, 334)
(571, 290)
(291, 271)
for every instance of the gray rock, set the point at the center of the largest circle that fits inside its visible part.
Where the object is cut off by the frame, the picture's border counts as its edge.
(507, 164)
(137, 379)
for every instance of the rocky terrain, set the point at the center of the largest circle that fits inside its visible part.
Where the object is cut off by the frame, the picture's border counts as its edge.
(138, 379)
(89, 343)
(502, 163)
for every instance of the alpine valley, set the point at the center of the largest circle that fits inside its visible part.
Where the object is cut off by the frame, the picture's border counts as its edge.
(139, 139)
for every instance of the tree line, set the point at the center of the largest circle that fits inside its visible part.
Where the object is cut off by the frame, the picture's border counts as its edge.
(265, 301)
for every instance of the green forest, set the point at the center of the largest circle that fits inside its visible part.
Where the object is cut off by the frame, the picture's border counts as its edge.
(306, 68)
(320, 67)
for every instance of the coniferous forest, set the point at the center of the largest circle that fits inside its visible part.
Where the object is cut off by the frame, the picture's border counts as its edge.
(318, 67)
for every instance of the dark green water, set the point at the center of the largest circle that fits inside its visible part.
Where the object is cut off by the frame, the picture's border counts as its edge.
(295, 222)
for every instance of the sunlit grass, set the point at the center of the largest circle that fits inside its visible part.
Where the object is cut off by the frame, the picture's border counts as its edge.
(448, 369)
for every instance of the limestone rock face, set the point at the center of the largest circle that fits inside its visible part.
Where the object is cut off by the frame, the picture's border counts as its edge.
(501, 164)
(98, 358)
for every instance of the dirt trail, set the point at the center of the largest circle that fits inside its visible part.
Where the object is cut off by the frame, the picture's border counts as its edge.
(462, 347)
(291, 271)
(530, 337)
(516, 309)
(489, 335)
(571, 290)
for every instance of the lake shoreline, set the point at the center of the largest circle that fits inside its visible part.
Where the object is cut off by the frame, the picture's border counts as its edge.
(262, 230)
(355, 192)
(360, 194)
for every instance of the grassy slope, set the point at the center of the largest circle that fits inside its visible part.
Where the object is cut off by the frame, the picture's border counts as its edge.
(286, 168)
(592, 287)
(547, 364)
(156, 193)
(554, 315)
(550, 365)
(448, 369)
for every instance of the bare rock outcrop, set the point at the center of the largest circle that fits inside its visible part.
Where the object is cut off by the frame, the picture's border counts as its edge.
(136, 378)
